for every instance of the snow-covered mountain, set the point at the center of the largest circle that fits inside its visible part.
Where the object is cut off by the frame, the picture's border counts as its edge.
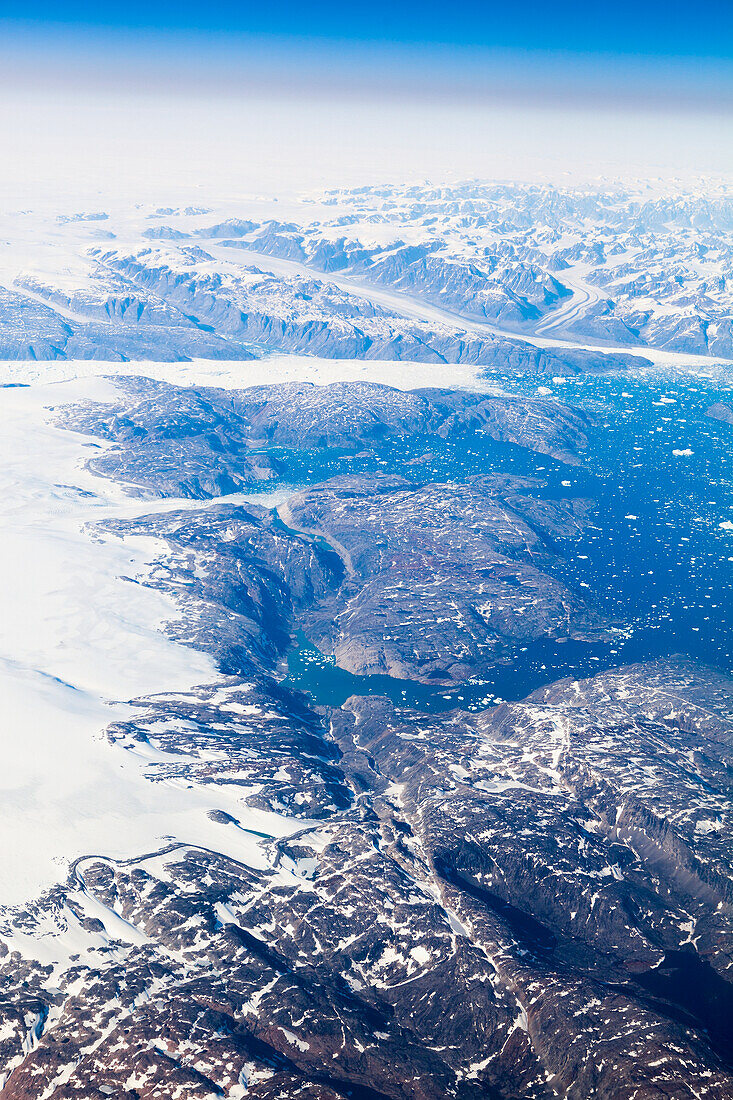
(522, 276)
(365, 649)
(348, 745)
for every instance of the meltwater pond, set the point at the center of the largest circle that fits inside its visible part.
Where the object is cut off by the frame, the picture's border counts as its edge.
(657, 560)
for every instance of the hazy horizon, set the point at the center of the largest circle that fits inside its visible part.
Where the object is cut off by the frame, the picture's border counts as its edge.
(93, 106)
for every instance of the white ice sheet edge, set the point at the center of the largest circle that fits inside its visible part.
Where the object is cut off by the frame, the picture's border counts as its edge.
(76, 642)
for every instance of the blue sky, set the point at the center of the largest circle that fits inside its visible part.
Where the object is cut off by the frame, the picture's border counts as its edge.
(214, 94)
(640, 27)
(666, 54)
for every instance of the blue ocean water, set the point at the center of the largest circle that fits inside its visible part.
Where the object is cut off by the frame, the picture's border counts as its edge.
(657, 559)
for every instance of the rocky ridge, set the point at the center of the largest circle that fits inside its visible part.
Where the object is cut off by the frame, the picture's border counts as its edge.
(532, 900)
